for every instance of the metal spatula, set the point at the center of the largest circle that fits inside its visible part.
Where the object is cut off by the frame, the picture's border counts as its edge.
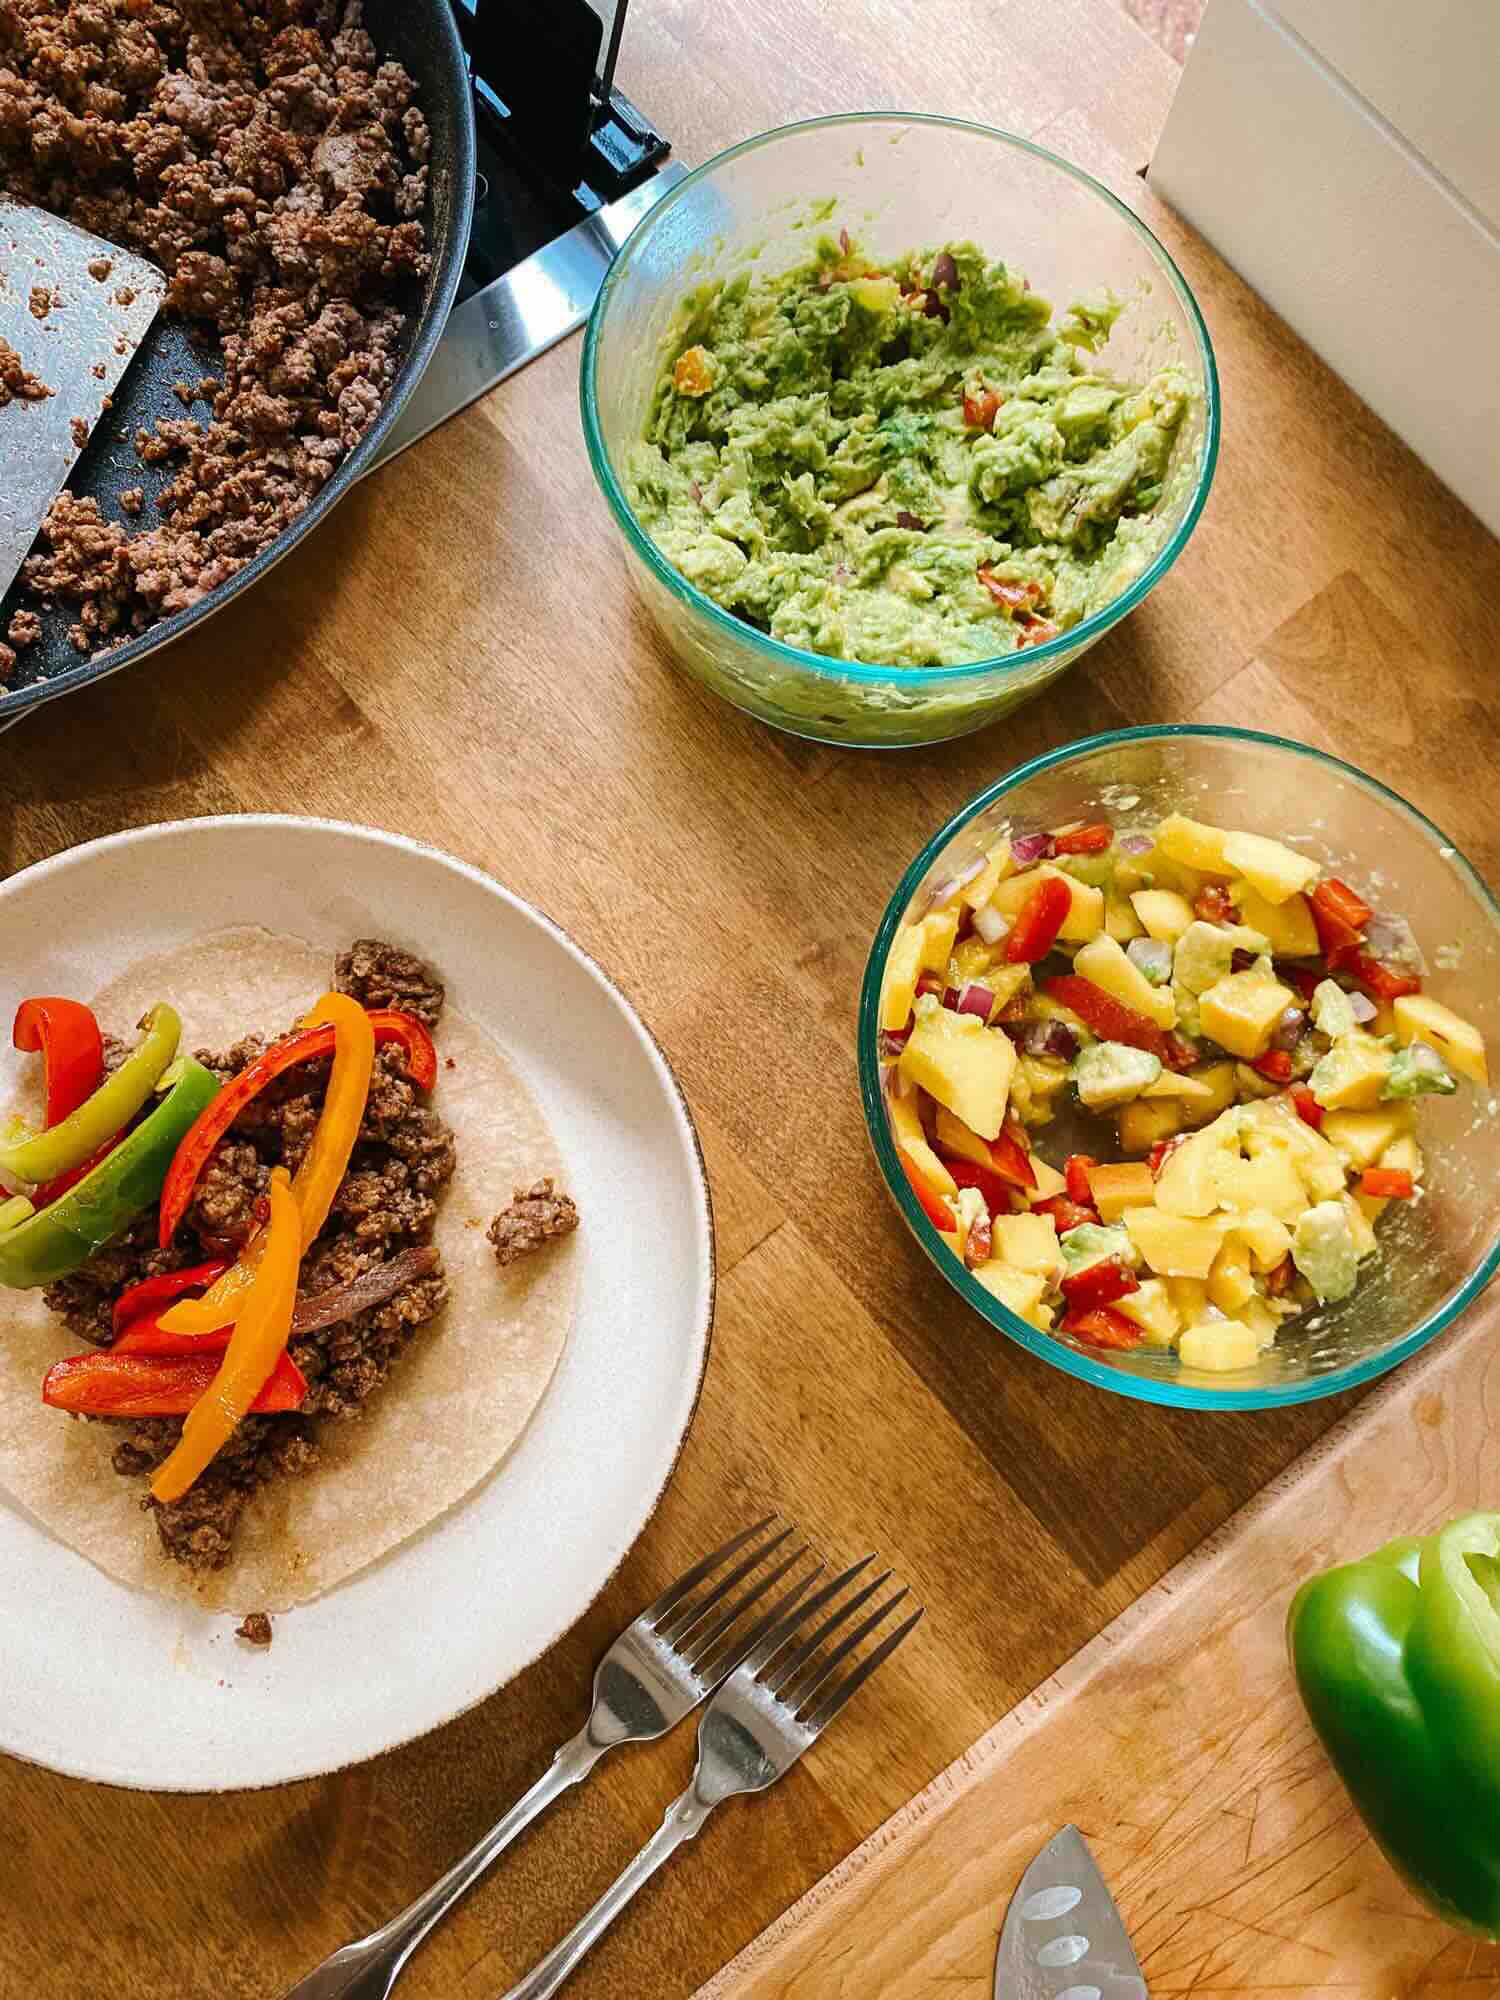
(74, 308)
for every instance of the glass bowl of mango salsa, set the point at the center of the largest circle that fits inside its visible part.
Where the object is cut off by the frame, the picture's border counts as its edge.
(1174, 1049)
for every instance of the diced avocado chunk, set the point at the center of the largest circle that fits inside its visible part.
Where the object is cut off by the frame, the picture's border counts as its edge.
(1111, 1073)
(1092, 1242)
(1353, 1074)
(1205, 953)
(1324, 1250)
(1418, 1070)
(1097, 870)
(1332, 1010)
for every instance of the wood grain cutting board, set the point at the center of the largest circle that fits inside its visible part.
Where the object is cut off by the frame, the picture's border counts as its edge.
(1176, 1742)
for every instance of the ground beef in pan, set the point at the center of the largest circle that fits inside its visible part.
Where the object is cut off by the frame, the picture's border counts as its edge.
(384, 1209)
(537, 1215)
(380, 975)
(275, 168)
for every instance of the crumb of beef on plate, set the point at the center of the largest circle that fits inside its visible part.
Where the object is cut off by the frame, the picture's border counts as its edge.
(275, 167)
(537, 1215)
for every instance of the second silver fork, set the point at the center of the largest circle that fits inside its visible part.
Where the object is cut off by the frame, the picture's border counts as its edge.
(659, 1670)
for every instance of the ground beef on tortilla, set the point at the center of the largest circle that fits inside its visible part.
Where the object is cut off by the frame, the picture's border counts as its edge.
(384, 1207)
(381, 975)
(276, 169)
(537, 1215)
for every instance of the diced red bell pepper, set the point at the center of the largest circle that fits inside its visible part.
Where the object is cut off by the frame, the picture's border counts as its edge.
(995, 1189)
(980, 411)
(147, 1335)
(1275, 1065)
(1065, 1212)
(979, 1242)
(1036, 630)
(1378, 980)
(1076, 1174)
(152, 1294)
(1010, 595)
(1109, 1018)
(1099, 1285)
(1212, 903)
(1084, 840)
(1040, 919)
(1339, 914)
(1181, 1055)
(1012, 1156)
(1387, 1184)
(1306, 1106)
(1279, 1277)
(67, 1037)
(937, 1211)
(1162, 1151)
(1103, 1328)
(214, 1121)
(143, 1385)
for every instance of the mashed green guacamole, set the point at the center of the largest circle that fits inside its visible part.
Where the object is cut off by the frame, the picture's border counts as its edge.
(911, 465)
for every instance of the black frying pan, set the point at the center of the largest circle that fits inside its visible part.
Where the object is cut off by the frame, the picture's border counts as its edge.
(422, 36)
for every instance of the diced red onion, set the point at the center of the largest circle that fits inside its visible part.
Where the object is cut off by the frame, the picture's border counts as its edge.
(1288, 1030)
(890, 1042)
(1151, 956)
(1028, 847)
(1050, 1038)
(1135, 843)
(1362, 1007)
(976, 999)
(1241, 961)
(945, 890)
(945, 272)
(1394, 943)
(990, 925)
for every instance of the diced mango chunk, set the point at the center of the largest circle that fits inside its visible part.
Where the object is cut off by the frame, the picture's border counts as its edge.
(1020, 1290)
(1162, 912)
(1219, 1346)
(1270, 1181)
(1117, 1186)
(1240, 1012)
(1360, 1137)
(1120, 921)
(1262, 1322)
(1049, 1181)
(1190, 841)
(1230, 1284)
(964, 1065)
(998, 864)
(1273, 869)
(903, 968)
(1029, 1243)
(955, 1136)
(939, 929)
(1104, 963)
(1187, 1184)
(1404, 1155)
(1287, 926)
(1352, 1074)
(906, 1128)
(1174, 1245)
(1147, 1120)
(1264, 1235)
(1150, 1307)
(1420, 1018)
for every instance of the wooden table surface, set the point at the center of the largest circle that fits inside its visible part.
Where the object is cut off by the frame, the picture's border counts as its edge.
(456, 655)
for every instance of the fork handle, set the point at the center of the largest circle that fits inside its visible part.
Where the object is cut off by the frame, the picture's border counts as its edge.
(684, 1819)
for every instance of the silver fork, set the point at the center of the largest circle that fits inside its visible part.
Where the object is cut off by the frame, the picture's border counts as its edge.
(756, 1727)
(658, 1670)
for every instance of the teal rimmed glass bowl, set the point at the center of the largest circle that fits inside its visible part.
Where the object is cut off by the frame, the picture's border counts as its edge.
(1437, 1254)
(896, 181)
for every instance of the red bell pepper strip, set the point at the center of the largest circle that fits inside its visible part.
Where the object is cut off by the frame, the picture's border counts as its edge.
(1378, 980)
(1036, 631)
(996, 1190)
(1040, 919)
(1340, 916)
(1103, 1328)
(143, 1385)
(1084, 840)
(307, 1046)
(147, 1335)
(71, 1047)
(934, 1207)
(1306, 1106)
(1076, 1174)
(1387, 1184)
(1212, 903)
(1065, 1213)
(1275, 1064)
(1109, 1018)
(1099, 1285)
(1011, 596)
(151, 1294)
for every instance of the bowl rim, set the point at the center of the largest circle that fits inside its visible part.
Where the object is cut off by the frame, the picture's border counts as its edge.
(1046, 1346)
(861, 672)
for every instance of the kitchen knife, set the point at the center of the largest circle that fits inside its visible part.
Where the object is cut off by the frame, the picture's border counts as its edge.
(1063, 1938)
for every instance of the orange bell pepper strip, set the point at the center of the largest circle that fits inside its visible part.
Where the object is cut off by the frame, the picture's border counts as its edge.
(323, 1165)
(255, 1347)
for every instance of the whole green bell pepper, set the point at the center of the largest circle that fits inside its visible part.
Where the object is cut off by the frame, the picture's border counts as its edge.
(43, 1156)
(1397, 1658)
(63, 1235)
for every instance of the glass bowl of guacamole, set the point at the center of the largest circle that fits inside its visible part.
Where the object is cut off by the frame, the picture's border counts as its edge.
(897, 415)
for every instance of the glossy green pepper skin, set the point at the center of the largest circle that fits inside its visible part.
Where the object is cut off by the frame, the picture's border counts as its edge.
(44, 1155)
(65, 1234)
(1397, 1659)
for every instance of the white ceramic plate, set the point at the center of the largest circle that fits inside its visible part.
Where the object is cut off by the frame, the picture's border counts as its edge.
(461, 1608)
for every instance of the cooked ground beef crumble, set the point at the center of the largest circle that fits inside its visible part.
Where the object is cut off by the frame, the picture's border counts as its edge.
(255, 1629)
(384, 1209)
(536, 1216)
(276, 169)
(15, 380)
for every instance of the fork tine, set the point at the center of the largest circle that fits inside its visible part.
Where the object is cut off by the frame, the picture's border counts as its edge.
(703, 1645)
(832, 1702)
(761, 1656)
(680, 1621)
(765, 1627)
(789, 1668)
(822, 1669)
(675, 1592)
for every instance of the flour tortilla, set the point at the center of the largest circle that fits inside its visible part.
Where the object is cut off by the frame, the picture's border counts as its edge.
(458, 1398)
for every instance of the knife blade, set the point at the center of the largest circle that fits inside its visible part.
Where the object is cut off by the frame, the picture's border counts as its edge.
(1063, 1938)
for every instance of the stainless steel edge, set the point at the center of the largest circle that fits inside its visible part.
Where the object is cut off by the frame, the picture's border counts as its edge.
(1062, 1934)
(544, 299)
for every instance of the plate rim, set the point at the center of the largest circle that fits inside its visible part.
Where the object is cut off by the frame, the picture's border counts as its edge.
(426, 850)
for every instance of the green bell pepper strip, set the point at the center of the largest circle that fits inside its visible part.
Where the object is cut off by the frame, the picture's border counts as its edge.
(45, 1155)
(1397, 1659)
(57, 1239)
